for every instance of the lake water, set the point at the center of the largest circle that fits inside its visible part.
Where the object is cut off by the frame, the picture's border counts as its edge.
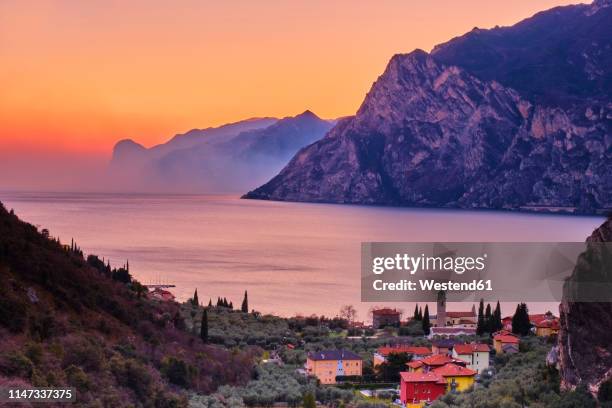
(291, 257)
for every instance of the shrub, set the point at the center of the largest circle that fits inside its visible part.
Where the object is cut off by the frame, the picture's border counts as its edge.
(134, 375)
(42, 326)
(84, 352)
(177, 371)
(16, 364)
(38, 379)
(77, 378)
(309, 401)
(34, 351)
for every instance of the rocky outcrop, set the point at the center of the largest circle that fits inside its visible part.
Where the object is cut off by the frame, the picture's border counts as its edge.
(428, 134)
(440, 130)
(585, 337)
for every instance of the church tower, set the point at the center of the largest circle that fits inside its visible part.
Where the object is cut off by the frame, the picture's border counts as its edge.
(441, 309)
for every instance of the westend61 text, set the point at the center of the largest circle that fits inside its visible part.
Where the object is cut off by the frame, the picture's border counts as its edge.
(431, 285)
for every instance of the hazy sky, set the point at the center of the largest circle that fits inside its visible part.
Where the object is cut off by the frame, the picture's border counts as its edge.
(78, 76)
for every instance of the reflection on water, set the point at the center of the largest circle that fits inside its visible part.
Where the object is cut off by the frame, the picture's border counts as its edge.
(291, 257)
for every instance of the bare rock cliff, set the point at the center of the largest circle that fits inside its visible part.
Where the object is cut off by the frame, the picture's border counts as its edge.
(516, 118)
(585, 338)
(428, 134)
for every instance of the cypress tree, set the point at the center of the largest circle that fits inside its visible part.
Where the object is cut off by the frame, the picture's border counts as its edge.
(209, 302)
(488, 319)
(516, 329)
(525, 323)
(416, 312)
(245, 303)
(497, 318)
(204, 327)
(196, 301)
(480, 328)
(426, 325)
(420, 313)
(520, 321)
(231, 305)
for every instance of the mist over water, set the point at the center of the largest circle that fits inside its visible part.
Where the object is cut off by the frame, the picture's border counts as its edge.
(291, 257)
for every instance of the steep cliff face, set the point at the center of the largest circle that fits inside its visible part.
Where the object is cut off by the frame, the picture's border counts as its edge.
(428, 134)
(450, 129)
(585, 338)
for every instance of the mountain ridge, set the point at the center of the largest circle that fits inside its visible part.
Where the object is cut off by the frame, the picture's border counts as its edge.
(436, 135)
(228, 158)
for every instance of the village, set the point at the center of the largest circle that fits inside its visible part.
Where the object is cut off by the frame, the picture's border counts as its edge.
(448, 365)
(379, 362)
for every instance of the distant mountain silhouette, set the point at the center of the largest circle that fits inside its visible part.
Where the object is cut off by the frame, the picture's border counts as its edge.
(229, 158)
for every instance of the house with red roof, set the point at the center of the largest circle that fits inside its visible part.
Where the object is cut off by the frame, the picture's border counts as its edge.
(457, 378)
(505, 342)
(546, 328)
(417, 352)
(537, 318)
(432, 362)
(507, 323)
(476, 355)
(415, 366)
(385, 317)
(417, 389)
(504, 332)
(421, 386)
(162, 295)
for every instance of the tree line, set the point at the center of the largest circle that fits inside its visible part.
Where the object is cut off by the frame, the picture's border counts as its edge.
(221, 302)
(423, 317)
(488, 321)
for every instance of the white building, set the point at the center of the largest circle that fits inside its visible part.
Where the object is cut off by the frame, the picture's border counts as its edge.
(476, 355)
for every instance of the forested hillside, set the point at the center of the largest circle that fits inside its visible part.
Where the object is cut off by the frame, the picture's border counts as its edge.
(70, 321)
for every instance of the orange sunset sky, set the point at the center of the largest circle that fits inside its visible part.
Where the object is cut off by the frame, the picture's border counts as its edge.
(78, 76)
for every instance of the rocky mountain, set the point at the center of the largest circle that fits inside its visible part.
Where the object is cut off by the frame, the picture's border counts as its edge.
(585, 338)
(560, 57)
(437, 132)
(229, 158)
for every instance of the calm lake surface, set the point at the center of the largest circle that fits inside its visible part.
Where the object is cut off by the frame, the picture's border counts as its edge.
(291, 257)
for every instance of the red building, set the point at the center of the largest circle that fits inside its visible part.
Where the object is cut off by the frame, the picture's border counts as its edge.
(507, 323)
(162, 295)
(417, 388)
(385, 317)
